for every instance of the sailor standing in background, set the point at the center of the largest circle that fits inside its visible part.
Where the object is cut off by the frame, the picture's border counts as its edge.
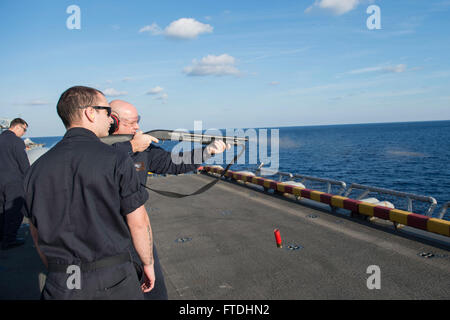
(86, 208)
(13, 165)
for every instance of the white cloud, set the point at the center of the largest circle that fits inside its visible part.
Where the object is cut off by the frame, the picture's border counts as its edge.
(394, 69)
(38, 103)
(338, 7)
(155, 90)
(154, 29)
(187, 28)
(163, 97)
(111, 92)
(184, 28)
(159, 94)
(213, 65)
(274, 83)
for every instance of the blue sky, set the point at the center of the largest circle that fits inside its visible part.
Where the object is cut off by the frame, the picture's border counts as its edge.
(233, 64)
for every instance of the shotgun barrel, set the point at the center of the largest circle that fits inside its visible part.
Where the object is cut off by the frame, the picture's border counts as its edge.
(176, 136)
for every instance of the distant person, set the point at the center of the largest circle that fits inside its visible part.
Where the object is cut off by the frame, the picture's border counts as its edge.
(86, 208)
(13, 165)
(148, 157)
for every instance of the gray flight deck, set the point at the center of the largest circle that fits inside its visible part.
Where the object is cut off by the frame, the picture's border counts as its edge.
(221, 245)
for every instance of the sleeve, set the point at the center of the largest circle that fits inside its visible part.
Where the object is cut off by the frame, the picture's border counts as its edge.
(26, 211)
(132, 193)
(123, 146)
(21, 156)
(28, 199)
(160, 161)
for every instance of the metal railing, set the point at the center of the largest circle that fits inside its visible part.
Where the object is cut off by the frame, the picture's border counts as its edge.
(329, 182)
(4, 124)
(366, 189)
(444, 210)
(409, 196)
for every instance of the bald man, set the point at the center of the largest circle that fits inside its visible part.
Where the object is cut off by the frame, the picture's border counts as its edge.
(148, 157)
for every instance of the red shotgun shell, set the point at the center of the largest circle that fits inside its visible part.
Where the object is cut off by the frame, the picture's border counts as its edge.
(277, 238)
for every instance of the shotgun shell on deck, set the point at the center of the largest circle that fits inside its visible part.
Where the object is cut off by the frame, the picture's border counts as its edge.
(277, 238)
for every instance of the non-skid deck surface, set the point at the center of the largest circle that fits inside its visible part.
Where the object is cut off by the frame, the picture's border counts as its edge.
(221, 245)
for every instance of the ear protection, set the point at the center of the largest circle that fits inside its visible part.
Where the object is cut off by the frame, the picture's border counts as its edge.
(116, 122)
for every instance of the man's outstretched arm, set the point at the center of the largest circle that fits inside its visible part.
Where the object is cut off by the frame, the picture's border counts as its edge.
(160, 161)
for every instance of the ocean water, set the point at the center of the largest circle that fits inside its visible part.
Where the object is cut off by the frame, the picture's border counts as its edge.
(412, 157)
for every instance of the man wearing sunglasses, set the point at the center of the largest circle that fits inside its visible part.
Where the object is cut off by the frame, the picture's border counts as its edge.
(13, 165)
(86, 208)
(148, 157)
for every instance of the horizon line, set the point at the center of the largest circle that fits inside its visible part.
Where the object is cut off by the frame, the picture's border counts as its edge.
(317, 125)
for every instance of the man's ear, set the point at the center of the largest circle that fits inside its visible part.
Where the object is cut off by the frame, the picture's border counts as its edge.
(90, 114)
(13, 129)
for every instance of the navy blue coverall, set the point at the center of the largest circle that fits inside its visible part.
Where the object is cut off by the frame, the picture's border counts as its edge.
(159, 161)
(78, 195)
(13, 165)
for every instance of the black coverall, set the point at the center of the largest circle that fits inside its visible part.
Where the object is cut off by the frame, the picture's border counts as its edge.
(77, 196)
(13, 165)
(159, 161)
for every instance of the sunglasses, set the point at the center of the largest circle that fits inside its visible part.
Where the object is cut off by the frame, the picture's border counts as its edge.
(131, 122)
(108, 109)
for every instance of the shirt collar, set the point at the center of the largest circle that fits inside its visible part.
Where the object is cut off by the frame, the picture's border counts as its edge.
(7, 131)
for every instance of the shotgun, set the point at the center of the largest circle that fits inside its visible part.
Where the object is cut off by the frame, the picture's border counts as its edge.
(164, 135)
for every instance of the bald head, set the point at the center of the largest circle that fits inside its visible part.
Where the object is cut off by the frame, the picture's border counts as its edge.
(124, 109)
(128, 116)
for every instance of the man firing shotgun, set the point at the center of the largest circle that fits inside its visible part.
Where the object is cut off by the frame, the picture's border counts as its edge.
(148, 157)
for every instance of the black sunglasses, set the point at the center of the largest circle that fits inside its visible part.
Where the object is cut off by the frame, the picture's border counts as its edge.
(108, 109)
